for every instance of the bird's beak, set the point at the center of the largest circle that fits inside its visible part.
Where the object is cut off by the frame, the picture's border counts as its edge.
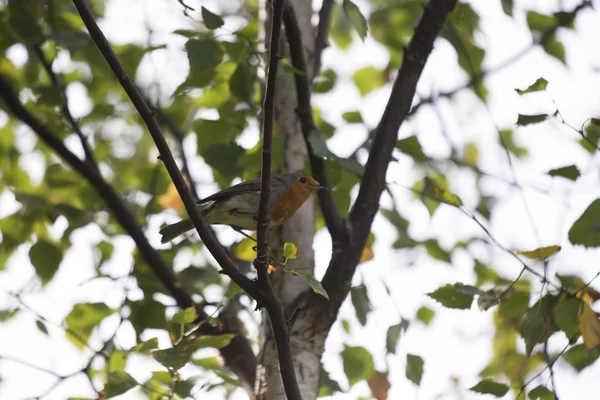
(321, 187)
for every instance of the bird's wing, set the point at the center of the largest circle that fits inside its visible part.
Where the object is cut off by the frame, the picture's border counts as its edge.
(240, 188)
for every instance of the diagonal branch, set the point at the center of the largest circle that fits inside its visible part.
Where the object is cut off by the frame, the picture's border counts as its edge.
(343, 264)
(211, 242)
(89, 154)
(238, 354)
(335, 223)
(281, 332)
(322, 33)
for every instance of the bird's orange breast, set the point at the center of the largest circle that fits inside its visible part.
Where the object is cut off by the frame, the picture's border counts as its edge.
(286, 204)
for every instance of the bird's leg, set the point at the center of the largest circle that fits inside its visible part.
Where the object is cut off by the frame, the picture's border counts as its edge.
(239, 230)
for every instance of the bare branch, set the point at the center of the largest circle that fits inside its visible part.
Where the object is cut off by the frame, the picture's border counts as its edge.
(335, 223)
(322, 33)
(147, 115)
(271, 301)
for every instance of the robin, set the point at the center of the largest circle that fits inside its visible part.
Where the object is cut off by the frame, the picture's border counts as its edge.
(237, 206)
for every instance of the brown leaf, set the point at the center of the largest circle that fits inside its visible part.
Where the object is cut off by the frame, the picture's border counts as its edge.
(367, 254)
(379, 384)
(170, 199)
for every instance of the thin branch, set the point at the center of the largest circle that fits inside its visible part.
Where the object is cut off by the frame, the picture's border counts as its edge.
(147, 115)
(322, 33)
(271, 302)
(478, 77)
(89, 154)
(335, 223)
(238, 354)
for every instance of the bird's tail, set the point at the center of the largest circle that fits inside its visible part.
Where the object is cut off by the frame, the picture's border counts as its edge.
(170, 232)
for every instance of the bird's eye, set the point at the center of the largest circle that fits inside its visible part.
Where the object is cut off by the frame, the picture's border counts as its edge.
(303, 179)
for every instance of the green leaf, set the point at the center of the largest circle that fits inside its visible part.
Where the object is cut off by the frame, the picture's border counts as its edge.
(541, 254)
(83, 318)
(538, 85)
(147, 314)
(211, 20)
(45, 257)
(314, 284)
(368, 79)
(325, 82)
(565, 315)
(540, 22)
(586, 230)
(393, 335)
(358, 364)
(145, 346)
(579, 358)
(41, 326)
(361, 303)
(414, 368)
(186, 316)
(450, 296)
(118, 383)
(290, 250)
(434, 250)
(352, 117)
(203, 55)
(223, 158)
(570, 172)
(412, 147)
(320, 149)
(536, 326)
(488, 386)
(425, 315)
(507, 7)
(507, 140)
(241, 83)
(554, 47)
(541, 392)
(524, 120)
(356, 18)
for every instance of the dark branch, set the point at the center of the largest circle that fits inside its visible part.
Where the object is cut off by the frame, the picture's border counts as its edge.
(238, 354)
(89, 154)
(271, 302)
(322, 33)
(335, 223)
(147, 115)
(343, 264)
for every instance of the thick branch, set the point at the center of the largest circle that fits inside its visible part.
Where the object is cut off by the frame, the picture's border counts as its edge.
(147, 115)
(271, 302)
(322, 33)
(341, 269)
(335, 223)
(238, 354)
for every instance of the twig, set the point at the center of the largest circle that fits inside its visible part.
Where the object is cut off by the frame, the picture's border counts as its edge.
(147, 115)
(89, 154)
(271, 302)
(478, 77)
(335, 223)
(322, 33)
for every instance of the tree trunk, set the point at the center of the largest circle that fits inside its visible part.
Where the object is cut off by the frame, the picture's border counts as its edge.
(307, 346)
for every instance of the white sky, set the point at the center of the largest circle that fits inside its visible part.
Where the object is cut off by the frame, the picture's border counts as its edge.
(457, 343)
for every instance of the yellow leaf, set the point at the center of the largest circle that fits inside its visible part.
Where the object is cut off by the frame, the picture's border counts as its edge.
(540, 254)
(589, 326)
(170, 199)
(290, 250)
(379, 384)
(244, 250)
(367, 254)
(271, 269)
